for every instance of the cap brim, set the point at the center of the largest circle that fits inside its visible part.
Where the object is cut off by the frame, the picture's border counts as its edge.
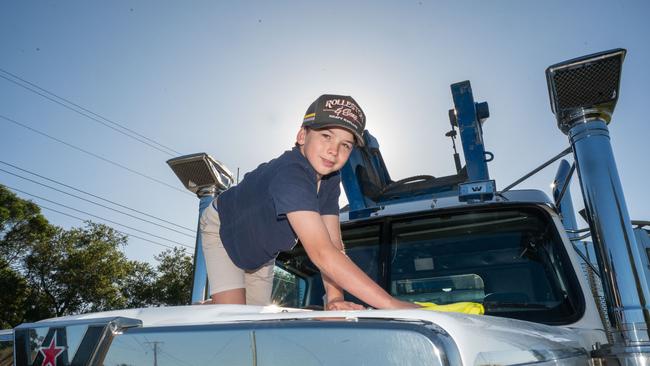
(357, 136)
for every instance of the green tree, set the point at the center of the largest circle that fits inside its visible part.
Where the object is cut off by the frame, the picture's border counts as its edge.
(47, 271)
(21, 226)
(13, 302)
(173, 285)
(79, 270)
(138, 288)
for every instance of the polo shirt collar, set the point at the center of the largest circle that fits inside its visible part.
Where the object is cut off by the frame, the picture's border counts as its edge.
(302, 160)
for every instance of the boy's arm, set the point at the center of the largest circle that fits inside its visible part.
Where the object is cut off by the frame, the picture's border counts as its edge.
(335, 299)
(336, 266)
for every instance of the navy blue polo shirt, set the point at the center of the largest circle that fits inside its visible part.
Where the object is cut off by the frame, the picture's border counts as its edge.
(254, 225)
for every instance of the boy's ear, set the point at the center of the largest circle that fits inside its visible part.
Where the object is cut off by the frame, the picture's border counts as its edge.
(302, 134)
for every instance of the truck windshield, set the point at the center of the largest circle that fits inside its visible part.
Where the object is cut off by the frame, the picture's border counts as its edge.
(510, 260)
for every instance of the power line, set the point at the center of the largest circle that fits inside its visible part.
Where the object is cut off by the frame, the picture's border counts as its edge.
(121, 232)
(95, 196)
(98, 217)
(95, 203)
(92, 154)
(88, 113)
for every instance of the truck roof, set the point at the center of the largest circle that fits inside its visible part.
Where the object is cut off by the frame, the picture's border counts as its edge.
(432, 203)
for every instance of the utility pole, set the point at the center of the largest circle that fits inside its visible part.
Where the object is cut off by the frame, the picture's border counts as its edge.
(155, 351)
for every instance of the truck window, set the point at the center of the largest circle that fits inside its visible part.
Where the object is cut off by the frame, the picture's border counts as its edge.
(511, 261)
(6, 348)
(316, 346)
(362, 245)
(181, 346)
(288, 288)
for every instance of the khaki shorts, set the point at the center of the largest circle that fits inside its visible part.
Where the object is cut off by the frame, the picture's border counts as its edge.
(223, 274)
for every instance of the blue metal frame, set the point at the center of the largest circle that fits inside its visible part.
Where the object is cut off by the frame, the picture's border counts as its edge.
(356, 198)
(471, 133)
(350, 182)
(468, 116)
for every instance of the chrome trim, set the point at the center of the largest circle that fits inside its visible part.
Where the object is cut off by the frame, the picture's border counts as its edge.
(200, 286)
(620, 355)
(584, 115)
(117, 323)
(562, 196)
(444, 343)
(539, 357)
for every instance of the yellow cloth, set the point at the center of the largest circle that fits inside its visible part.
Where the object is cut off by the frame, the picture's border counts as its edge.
(458, 307)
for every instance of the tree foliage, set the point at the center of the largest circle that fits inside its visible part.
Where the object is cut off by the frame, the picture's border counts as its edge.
(12, 308)
(138, 289)
(170, 287)
(47, 271)
(79, 270)
(21, 226)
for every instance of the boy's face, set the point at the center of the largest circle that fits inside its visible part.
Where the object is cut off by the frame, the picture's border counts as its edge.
(326, 149)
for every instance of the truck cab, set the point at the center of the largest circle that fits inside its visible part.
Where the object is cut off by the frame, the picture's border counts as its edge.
(517, 252)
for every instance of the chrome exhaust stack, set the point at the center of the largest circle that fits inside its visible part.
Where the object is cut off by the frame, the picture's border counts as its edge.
(207, 178)
(583, 95)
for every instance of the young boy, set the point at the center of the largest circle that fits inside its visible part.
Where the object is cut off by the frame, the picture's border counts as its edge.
(294, 196)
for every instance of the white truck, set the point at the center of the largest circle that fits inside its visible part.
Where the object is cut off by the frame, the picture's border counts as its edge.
(550, 298)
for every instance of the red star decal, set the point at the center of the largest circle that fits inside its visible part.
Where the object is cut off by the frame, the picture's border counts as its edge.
(51, 353)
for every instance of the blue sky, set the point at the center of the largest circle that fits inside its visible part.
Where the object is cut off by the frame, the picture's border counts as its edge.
(233, 79)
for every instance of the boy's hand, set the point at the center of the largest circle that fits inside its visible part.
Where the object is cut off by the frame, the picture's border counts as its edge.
(340, 304)
(399, 304)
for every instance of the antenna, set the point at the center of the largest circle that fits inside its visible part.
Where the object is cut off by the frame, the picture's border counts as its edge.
(452, 134)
